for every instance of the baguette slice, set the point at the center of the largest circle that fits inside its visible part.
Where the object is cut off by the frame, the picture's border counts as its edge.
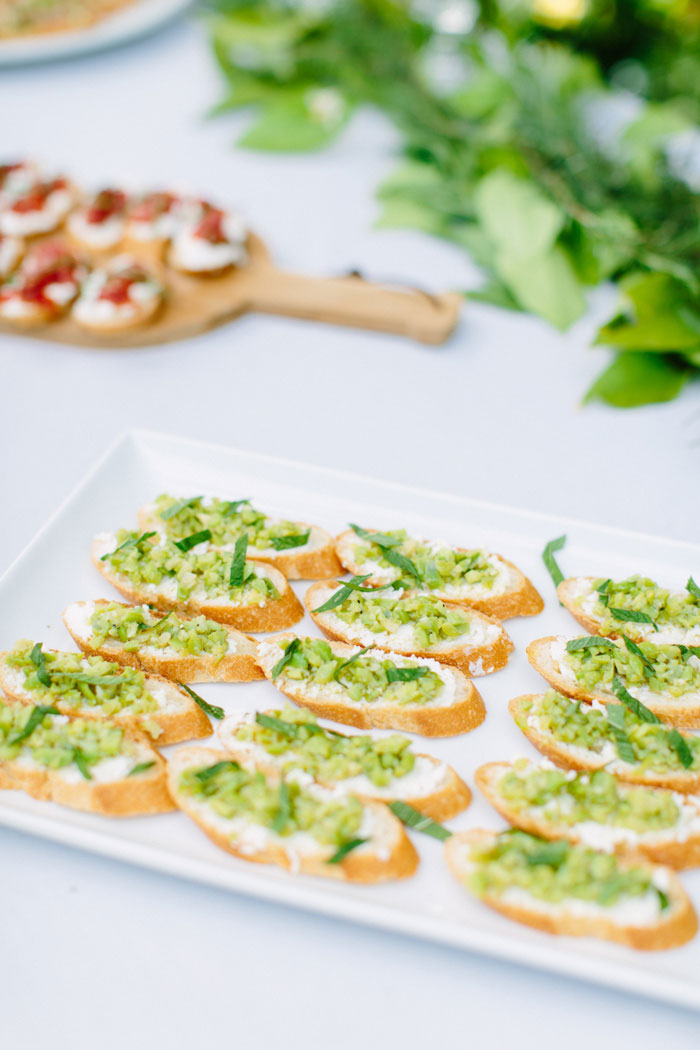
(547, 656)
(579, 597)
(316, 560)
(273, 615)
(674, 926)
(461, 710)
(677, 847)
(387, 853)
(177, 716)
(237, 665)
(110, 792)
(485, 648)
(523, 709)
(432, 786)
(511, 595)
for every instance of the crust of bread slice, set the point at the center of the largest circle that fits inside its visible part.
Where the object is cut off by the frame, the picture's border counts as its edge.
(473, 661)
(522, 599)
(141, 795)
(450, 798)
(676, 927)
(662, 848)
(142, 314)
(567, 592)
(238, 666)
(317, 560)
(465, 713)
(392, 857)
(566, 757)
(274, 615)
(675, 712)
(186, 722)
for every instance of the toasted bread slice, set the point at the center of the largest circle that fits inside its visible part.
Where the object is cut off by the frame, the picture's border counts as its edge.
(385, 854)
(237, 665)
(129, 784)
(176, 718)
(459, 710)
(273, 614)
(548, 657)
(483, 648)
(677, 846)
(646, 928)
(523, 709)
(579, 596)
(431, 786)
(511, 594)
(315, 560)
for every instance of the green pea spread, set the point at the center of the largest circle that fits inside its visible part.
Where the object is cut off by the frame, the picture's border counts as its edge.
(665, 669)
(432, 621)
(226, 521)
(638, 594)
(136, 627)
(436, 568)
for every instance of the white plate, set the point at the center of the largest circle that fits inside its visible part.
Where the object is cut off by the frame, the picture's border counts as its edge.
(137, 19)
(55, 569)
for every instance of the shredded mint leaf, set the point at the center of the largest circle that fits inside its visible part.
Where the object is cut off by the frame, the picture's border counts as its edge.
(209, 709)
(346, 589)
(552, 854)
(237, 575)
(196, 538)
(38, 658)
(35, 719)
(405, 674)
(635, 706)
(283, 543)
(342, 851)
(82, 763)
(175, 508)
(209, 772)
(416, 820)
(593, 641)
(632, 647)
(351, 660)
(276, 724)
(616, 721)
(140, 767)
(233, 507)
(281, 818)
(551, 562)
(680, 745)
(692, 588)
(133, 541)
(631, 616)
(289, 652)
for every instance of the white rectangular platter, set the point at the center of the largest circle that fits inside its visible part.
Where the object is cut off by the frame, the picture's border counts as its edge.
(55, 569)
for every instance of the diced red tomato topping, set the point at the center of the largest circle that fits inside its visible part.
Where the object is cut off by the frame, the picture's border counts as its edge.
(106, 204)
(210, 228)
(37, 196)
(151, 207)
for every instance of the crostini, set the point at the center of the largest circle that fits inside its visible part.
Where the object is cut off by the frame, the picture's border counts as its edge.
(151, 221)
(570, 890)
(370, 688)
(181, 648)
(595, 809)
(16, 179)
(90, 687)
(120, 295)
(291, 742)
(593, 736)
(665, 678)
(466, 577)
(271, 820)
(98, 224)
(44, 287)
(80, 763)
(410, 623)
(207, 240)
(188, 577)
(637, 607)
(11, 252)
(38, 208)
(300, 551)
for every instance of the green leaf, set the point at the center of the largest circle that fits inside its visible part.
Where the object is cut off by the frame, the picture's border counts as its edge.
(632, 704)
(632, 647)
(660, 315)
(616, 721)
(276, 724)
(350, 660)
(635, 379)
(38, 658)
(411, 215)
(516, 215)
(493, 293)
(405, 674)
(680, 745)
(552, 854)
(141, 767)
(237, 573)
(209, 709)
(294, 123)
(418, 821)
(188, 542)
(592, 641)
(209, 772)
(545, 285)
(177, 506)
(346, 848)
(289, 652)
(692, 588)
(285, 543)
(284, 809)
(82, 763)
(631, 616)
(551, 562)
(132, 541)
(35, 719)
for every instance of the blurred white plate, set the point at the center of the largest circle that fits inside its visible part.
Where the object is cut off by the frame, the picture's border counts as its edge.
(135, 20)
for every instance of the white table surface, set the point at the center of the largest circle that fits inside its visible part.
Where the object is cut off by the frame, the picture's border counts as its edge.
(103, 955)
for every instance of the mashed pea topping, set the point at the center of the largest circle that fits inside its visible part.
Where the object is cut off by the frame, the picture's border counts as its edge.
(580, 725)
(365, 679)
(436, 567)
(79, 681)
(430, 620)
(55, 742)
(565, 799)
(664, 669)
(638, 594)
(227, 521)
(152, 562)
(326, 755)
(555, 871)
(139, 626)
(286, 808)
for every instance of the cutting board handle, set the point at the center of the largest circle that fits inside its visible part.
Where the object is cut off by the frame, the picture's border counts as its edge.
(353, 301)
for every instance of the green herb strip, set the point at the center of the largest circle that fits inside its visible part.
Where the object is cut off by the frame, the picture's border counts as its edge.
(233, 506)
(591, 641)
(680, 745)
(82, 763)
(632, 647)
(133, 541)
(416, 820)
(631, 616)
(343, 850)
(276, 724)
(400, 561)
(209, 772)
(346, 589)
(284, 543)
(386, 544)
(35, 719)
(209, 709)
(690, 650)
(663, 899)
(379, 538)
(616, 721)
(237, 574)
(283, 813)
(39, 660)
(551, 562)
(194, 540)
(405, 674)
(635, 706)
(179, 505)
(692, 588)
(346, 663)
(602, 590)
(89, 679)
(553, 854)
(141, 768)
(289, 652)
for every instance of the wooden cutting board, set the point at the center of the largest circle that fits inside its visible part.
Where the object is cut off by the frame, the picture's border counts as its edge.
(195, 304)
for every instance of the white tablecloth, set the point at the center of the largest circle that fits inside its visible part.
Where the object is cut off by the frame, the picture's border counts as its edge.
(97, 954)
